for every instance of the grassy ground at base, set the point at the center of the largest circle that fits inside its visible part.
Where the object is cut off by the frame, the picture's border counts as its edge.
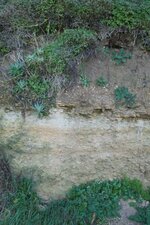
(95, 202)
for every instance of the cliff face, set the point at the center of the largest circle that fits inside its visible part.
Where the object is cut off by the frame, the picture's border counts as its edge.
(65, 149)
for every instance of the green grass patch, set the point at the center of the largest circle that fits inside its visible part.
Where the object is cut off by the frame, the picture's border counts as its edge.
(96, 200)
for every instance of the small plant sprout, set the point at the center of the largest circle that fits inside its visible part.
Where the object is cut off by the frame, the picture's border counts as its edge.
(84, 80)
(101, 82)
(39, 108)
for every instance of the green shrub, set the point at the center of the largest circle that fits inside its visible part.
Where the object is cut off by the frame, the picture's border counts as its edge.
(123, 96)
(53, 15)
(130, 15)
(70, 44)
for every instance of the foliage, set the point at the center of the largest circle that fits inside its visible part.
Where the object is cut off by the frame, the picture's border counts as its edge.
(20, 86)
(123, 96)
(130, 15)
(85, 82)
(101, 81)
(39, 108)
(95, 201)
(70, 44)
(142, 215)
(120, 56)
(3, 49)
(55, 15)
(16, 69)
(33, 80)
(22, 205)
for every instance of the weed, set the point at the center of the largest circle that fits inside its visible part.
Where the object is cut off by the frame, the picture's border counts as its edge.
(20, 86)
(37, 85)
(101, 81)
(123, 96)
(120, 56)
(84, 80)
(39, 108)
(16, 69)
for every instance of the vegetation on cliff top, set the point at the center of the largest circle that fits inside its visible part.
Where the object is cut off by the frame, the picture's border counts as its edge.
(72, 29)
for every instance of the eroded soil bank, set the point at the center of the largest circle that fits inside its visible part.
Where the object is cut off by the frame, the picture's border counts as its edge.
(64, 149)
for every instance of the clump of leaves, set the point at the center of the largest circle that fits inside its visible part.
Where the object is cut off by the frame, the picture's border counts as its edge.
(101, 81)
(124, 96)
(38, 86)
(123, 16)
(20, 86)
(130, 15)
(16, 69)
(39, 109)
(120, 56)
(3, 49)
(67, 47)
(142, 215)
(84, 80)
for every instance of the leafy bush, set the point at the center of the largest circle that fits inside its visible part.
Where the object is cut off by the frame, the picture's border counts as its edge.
(70, 44)
(130, 15)
(123, 96)
(52, 15)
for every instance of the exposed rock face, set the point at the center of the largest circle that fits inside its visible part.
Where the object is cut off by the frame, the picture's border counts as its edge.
(65, 149)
